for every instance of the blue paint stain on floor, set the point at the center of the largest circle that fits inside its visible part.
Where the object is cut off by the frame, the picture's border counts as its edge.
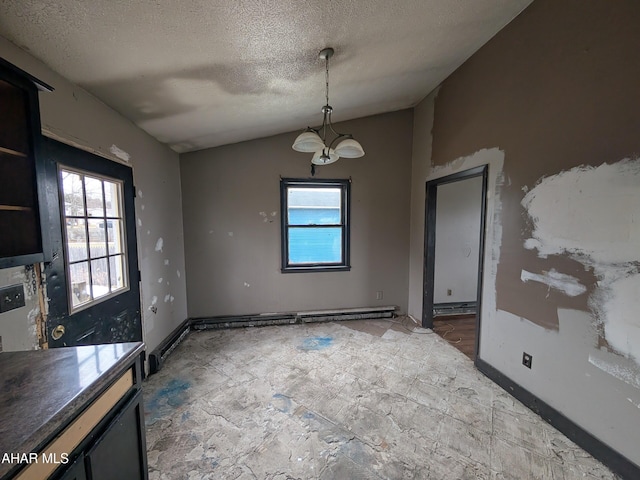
(166, 399)
(281, 402)
(316, 343)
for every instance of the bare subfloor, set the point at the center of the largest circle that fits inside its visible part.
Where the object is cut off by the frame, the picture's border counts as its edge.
(349, 400)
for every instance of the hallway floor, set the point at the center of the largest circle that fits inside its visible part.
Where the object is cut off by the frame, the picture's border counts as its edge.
(349, 400)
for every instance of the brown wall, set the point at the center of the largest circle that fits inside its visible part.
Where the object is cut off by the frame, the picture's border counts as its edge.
(231, 201)
(555, 90)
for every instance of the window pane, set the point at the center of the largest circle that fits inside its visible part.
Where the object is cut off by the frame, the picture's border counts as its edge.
(99, 278)
(112, 199)
(76, 239)
(73, 197)
(97, 237)
(315, 245)
(95, 202)
(313, 206)
(117, 271)
(79, 279)
(115, 235)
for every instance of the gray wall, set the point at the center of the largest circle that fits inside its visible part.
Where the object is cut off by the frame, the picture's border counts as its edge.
(232, 223)
(458, 215)
(550, 104)
(72, 115)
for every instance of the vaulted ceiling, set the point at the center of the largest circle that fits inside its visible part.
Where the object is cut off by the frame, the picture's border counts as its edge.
(202, 73)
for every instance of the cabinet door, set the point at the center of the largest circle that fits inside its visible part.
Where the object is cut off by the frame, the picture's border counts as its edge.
(120, 452)
(75, 471)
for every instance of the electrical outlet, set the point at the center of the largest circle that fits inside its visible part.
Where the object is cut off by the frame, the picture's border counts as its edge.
(527, 359)
(379, 295)
(11, 297)
(449, 292)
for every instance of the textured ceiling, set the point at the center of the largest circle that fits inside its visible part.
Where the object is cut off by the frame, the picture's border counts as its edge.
(202, 73)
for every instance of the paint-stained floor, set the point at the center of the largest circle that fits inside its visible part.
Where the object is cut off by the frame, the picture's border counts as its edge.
(349, 400)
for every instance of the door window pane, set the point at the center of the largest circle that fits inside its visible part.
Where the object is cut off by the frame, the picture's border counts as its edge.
(95, 197)
(73, 194)
(117, 272)
(115, 236)
(112, 199)
(77, 239)
(80, 285)
(99, 278)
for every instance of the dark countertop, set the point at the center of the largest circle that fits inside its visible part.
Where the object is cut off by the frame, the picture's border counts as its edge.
(41, 391)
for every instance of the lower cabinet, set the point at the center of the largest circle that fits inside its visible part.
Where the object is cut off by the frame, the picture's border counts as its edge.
(118, 452)
(75, 471)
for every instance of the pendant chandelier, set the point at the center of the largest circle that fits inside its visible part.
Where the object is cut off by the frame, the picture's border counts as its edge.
(318, 140)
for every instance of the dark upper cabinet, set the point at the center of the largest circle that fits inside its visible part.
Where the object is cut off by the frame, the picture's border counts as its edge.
(21, 170)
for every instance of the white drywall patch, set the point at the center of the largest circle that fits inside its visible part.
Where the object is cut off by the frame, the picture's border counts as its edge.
(160, 280)
(119, 153)
(167, 297)
(620, 308)
(556, 280)
(166, 261)
(159, 244)
(627, 375)
(592, 215)
(139, 222)
(140, 193)
(588, 211)
(154, 300)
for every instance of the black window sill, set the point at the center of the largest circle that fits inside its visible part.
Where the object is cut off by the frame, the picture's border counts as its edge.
(318, 268)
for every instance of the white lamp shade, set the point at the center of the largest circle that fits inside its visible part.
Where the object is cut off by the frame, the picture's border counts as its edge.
(349, 148)
(333, 157)
(308, 142)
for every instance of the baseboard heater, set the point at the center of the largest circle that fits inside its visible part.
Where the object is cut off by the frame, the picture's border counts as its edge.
(454, 308)
(265, 319)
(159, 355)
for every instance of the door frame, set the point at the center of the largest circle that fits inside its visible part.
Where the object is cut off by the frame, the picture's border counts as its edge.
(430, 243)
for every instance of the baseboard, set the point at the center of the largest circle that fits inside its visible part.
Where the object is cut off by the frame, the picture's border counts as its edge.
(162, 351)
(619, 464)
(159, 355)
(454, 308)
(287, 318)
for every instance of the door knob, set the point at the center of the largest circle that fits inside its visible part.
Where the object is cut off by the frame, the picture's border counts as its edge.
(57, 332)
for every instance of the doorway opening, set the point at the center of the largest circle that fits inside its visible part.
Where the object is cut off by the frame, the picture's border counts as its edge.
(454, 249)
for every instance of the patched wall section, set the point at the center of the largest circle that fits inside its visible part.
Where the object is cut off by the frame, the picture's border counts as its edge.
(555, 91)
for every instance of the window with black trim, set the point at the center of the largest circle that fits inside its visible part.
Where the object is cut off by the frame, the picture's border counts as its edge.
(315, 224)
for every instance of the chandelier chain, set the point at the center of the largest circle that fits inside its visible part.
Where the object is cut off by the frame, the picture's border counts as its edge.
(327, 78)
